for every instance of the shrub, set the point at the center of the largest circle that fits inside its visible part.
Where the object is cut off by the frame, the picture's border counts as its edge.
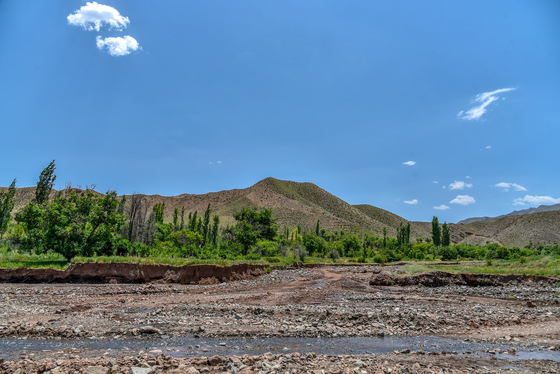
(380, 258)
(300, 252)
(121, 247)
(448, 253)
(334, 255)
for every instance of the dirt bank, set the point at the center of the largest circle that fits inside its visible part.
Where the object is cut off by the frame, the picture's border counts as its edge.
(132, 273)
(442, 278)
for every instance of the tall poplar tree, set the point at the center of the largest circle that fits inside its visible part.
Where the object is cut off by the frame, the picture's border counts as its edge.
(7, 202)
(436, 232)
(445, 239)
(45, 184)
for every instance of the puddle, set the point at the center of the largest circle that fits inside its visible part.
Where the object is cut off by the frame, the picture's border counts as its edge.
(10, 349)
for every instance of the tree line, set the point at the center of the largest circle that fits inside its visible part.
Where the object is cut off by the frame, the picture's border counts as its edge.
(75, 222)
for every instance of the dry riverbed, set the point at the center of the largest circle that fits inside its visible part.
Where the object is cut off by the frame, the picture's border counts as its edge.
(306, 318)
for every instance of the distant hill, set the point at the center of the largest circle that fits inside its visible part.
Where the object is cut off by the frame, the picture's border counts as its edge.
(514, 230)
(294, 203)
(539, 209)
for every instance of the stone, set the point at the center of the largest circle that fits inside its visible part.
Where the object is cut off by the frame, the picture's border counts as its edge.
(140, 370)
(149, 330)
(215, 360)
(96, 370)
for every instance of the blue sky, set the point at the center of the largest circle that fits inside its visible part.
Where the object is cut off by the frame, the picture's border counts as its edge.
(174, 97)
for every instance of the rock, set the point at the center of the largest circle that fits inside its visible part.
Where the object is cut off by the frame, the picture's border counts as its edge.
(96, 370)
(215, 360)
(149, 330)
(359, 364)
(139, 370)
(531, 304)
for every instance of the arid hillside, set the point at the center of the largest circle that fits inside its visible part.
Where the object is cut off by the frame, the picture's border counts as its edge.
(295, 203)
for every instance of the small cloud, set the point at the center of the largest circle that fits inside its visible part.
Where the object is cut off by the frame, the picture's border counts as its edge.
(441, 207)
(459, 185)
(488, 147)
(118, 46)
(218, 162)
(411, 202)
(506, 186)
(409, 163)
(484, 99)
(463, 200)
(536, 200)
(468, 177)
(93, 16)
(435, 182)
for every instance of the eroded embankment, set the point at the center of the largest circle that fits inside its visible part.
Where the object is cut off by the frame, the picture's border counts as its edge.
(442, 278)
(132, 273)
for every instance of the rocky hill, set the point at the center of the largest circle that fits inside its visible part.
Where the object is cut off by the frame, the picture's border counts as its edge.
(539, 209)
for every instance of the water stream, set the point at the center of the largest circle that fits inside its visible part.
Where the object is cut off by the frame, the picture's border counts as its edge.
(10, 349)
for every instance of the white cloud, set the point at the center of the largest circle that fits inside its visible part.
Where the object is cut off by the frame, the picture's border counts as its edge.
(411, 202)
(219, 162)
(459, 185)
(488, 147)
(441, 207)
(536, 200)
(93, 16)
(468, 177)
(484, 99)
(436, 182)
(463, 200)
(118, 46)
(409, 163)
(506, 186)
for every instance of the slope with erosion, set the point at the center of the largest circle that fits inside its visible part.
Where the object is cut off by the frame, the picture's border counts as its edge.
(518, 231)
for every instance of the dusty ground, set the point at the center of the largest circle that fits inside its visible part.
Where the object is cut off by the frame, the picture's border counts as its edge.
(329, 302)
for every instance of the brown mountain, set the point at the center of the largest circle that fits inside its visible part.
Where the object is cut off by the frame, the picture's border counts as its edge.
(296, 203)
(292, 203)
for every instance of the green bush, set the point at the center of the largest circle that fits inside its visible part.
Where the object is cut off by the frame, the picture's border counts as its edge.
(380, 258)
(121, 247)
(448, 253)
(334, 255)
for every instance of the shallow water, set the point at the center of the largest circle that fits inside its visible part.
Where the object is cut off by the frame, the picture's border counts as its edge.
(10, 349)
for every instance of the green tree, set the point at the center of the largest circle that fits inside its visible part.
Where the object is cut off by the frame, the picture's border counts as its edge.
(384, 237)
(436, 232)
(317, 229)
(182, 227)
(445, 239)
(7, 201)
(352, 245)
(81, 223)
(159, 210)
(205, 230)
(45, 184)
(314, 244)
(192, 221)
(176, 219)
(253, 225)
(215, 226)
